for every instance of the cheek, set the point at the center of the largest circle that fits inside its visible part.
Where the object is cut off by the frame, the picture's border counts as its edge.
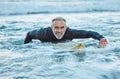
(64, 30)
(55, 30)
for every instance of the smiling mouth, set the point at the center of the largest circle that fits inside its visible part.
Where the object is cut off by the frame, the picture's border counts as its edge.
(59, 34)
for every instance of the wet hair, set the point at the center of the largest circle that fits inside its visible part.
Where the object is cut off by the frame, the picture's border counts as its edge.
(58, 19)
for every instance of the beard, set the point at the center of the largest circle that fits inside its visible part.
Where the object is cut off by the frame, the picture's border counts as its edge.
(59, 35)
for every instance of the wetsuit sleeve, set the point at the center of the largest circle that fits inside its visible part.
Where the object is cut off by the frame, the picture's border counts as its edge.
(31, 35)
(95, 35)
(86, 34)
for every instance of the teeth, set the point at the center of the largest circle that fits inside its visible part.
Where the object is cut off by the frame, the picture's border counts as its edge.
(59, 34)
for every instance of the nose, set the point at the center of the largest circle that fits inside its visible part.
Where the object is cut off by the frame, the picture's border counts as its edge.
(59, 30)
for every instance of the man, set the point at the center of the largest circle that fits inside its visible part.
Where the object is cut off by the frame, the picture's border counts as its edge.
(60, 32)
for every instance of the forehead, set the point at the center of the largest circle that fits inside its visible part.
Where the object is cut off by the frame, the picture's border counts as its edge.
(59, 22)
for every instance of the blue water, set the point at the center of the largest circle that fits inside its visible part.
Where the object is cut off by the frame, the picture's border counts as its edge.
(39, 60)
(51, 7)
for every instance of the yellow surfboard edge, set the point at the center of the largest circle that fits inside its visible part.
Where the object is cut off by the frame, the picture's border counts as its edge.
(78, 46)
(79, 51)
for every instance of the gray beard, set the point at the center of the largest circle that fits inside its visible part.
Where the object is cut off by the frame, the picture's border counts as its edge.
(60, 36)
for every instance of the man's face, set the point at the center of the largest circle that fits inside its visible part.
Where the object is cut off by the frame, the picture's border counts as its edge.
(59, 28)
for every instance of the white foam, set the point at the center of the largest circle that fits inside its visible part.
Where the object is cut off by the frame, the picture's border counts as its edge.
(10, 54)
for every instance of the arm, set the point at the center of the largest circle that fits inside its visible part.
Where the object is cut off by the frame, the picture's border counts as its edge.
(85, 34)
(31, 35)
(28, 38)
(102, 40)
(94, 35)
(90, 34)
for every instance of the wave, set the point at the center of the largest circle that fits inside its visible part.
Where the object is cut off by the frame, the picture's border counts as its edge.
(19, 8)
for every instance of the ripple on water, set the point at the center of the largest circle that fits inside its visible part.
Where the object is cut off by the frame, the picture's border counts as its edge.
(55, 72)
(2, 27)
(52, 61)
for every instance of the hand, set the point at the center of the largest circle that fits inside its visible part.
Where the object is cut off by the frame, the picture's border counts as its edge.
(103, 42)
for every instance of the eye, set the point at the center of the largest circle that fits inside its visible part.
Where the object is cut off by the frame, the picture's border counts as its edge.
(62, 27)
(56, 27)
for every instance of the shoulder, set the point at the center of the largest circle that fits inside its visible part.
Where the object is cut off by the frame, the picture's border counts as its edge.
(41, 30)
(45, 31)
(71, 29)
(75, 30)
(47, 28)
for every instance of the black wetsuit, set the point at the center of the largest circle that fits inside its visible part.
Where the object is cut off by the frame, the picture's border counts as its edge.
(46, 35)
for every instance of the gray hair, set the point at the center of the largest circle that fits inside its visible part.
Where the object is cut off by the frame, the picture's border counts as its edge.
(58, 19)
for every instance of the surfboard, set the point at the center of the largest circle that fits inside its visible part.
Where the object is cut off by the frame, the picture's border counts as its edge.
(77, 49)
(78, 46)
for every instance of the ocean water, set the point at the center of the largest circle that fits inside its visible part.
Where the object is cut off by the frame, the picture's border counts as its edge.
(37, 60)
